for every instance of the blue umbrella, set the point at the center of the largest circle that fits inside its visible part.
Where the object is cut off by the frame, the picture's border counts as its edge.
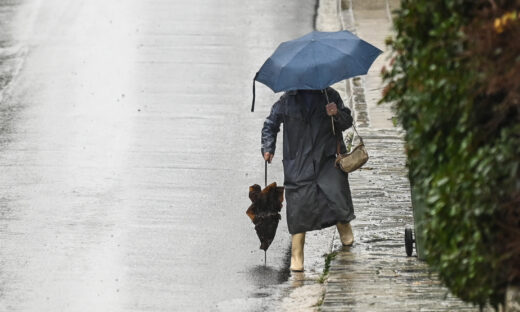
(316, 61)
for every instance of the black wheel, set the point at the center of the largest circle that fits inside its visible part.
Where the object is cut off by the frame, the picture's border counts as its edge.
(408, 241)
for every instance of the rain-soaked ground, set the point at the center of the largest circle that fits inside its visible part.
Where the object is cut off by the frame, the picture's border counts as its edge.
(127, 148)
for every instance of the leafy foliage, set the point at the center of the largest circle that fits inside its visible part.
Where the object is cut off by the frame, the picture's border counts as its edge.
(455, 86)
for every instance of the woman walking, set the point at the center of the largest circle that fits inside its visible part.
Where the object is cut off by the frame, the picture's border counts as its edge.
(317, 193)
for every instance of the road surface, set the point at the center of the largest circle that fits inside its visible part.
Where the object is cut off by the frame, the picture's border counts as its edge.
(126, 151)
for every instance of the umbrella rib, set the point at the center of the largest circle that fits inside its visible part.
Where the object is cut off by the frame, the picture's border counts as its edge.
(296, 54)
(283, 66)
(355, 59)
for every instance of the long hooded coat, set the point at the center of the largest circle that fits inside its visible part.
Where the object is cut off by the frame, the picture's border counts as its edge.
(317, 193)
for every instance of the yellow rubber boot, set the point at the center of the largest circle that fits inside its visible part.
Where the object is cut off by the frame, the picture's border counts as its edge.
(345, 234)
(298, 241)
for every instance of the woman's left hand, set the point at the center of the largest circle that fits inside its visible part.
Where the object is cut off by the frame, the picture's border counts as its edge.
(332, 109)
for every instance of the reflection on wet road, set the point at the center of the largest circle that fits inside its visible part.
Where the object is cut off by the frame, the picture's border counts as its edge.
(127, 148)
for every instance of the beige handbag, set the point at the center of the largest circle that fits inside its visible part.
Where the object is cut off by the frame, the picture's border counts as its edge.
(354, 160)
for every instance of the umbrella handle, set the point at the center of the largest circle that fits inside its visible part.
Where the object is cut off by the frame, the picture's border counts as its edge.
(266, 173)
(331, 118)
(326, 95)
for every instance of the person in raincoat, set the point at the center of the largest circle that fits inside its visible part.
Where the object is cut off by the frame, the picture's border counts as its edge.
(317, 193)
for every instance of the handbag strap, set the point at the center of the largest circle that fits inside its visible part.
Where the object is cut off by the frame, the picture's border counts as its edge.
(338, 145)
(360, 138)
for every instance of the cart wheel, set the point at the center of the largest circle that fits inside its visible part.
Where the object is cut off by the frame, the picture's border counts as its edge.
(408, 241)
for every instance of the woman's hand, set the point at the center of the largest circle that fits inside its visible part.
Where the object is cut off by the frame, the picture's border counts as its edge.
(332, 109)
(268, 157)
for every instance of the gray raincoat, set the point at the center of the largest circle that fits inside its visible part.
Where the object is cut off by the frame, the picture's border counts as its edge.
(317, 193)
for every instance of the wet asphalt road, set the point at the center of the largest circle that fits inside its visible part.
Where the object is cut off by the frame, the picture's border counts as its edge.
(126, 152)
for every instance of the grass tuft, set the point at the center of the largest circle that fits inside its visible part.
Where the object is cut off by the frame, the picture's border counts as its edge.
(325, 274)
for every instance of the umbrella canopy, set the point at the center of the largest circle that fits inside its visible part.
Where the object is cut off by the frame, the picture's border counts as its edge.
(265, 211)
(316, 61)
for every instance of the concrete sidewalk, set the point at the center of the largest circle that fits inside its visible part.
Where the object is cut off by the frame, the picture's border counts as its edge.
(375, 274)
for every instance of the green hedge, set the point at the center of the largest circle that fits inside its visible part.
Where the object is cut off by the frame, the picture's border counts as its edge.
(461, 117)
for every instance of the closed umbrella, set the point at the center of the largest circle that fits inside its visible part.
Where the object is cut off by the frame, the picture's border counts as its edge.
(264, 211)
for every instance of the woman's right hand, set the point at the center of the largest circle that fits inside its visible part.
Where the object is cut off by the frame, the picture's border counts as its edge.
(268, 157)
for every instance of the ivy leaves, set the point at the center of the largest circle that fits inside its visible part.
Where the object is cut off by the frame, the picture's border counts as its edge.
(462, 173)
